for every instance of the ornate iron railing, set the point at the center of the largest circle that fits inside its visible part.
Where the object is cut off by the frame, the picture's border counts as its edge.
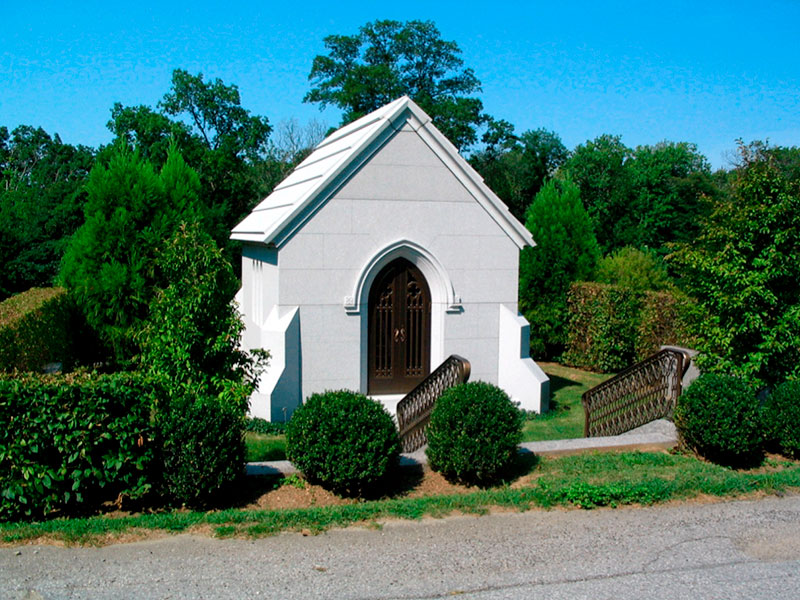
(414, 411)
(637, 395)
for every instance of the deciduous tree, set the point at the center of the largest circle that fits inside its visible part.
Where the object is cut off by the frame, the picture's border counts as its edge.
(41, 204)
(744, 268)
(388, 59)
(516, 168)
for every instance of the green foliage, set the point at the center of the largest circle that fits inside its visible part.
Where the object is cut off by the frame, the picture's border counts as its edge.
(720, 418)
(611, 327)
(516, 168)
(587, 496)
(215, 112)
(666, 319)
(668, 183)
(598, 169)
(191, 337)
(343, 440)
(586, 480)
(602, 327)
(474, 433)
(745, 270)
(634, 269)
(41, 205)
(646, 197)
(388, 59)
(782, 417)
(109, 267)
(70, 443)
(193, 329)
(202, 451)
(258, 425)
(220, 139)
(35, 329)
(566, 251)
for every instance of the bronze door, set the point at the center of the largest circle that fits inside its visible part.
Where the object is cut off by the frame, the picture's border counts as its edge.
(399, 329)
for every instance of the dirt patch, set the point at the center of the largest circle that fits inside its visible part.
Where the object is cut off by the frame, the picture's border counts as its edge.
(296, 492)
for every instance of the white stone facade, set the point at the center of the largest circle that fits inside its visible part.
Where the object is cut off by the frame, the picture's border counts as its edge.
(398, 191)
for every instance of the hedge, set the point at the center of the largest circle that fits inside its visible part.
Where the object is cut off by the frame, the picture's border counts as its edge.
(69, 443)
(612, 327)
(35, 329)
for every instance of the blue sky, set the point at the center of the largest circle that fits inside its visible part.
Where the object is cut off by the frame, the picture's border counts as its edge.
(703, 72)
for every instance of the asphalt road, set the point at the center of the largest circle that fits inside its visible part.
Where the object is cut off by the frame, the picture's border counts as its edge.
(741, 549)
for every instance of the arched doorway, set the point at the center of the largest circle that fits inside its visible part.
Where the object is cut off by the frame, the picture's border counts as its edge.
(399, 336)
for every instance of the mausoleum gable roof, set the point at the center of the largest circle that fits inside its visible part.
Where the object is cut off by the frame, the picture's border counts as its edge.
(308, 183)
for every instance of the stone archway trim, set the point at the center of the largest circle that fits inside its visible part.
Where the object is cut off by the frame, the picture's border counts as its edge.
(433, 270)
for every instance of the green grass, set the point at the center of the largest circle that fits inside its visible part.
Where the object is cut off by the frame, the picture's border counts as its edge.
(584, 481)
(565, 418)
(262, 447)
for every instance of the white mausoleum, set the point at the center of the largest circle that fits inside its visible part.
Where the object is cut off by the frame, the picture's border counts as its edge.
(379, 256)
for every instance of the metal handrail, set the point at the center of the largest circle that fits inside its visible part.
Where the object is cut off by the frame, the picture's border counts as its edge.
(414, 410)
(636, 395)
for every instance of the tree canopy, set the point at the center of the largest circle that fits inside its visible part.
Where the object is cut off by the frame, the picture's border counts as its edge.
(516, 168)
(646, 197)
(217, 137)
(41, 204)
(744, 268)
(388, 59)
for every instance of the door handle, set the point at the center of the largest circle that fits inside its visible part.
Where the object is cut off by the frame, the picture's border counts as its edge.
(400, 335)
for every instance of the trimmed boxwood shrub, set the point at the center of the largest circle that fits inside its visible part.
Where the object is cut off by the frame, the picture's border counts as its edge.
(35, 329)
(720, 418)
(69, 443)
(473, 434)
(202, 453)
(782, 416)
(343, 441)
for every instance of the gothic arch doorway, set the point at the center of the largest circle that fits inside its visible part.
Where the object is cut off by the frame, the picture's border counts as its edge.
(399, 334)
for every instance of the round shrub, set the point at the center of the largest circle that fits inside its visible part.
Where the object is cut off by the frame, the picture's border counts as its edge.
(782, 416)
(473, 434)
(719, 417)
(343, 441)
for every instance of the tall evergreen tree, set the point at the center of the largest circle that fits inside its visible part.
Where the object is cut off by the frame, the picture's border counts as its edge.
(566, 251)
(110, 264)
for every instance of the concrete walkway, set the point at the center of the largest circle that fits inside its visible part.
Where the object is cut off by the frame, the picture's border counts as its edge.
(658, 435)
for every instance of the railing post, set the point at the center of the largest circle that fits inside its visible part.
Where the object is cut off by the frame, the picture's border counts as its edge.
(414, 410)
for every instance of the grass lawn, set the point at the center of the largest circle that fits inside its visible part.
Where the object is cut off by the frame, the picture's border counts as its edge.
(563, 421)
(583, 481)
(262, 447)
(565, 418)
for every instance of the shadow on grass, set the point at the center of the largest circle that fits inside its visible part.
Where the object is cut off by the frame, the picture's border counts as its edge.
(557, 383)
(525, 462)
